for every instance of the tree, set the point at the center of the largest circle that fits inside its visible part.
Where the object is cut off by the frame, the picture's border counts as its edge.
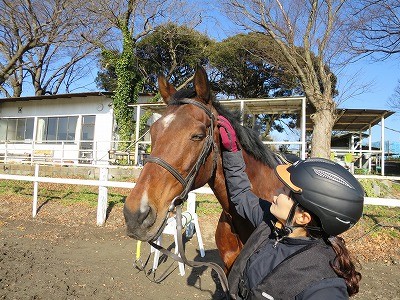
(310, 34)
(251, 66)
(378, 34)
(170, 49)
(65, 58)
(377, 28)
(45, 36)
(20, 30)
(394, 100)
(174, 51)
(130, 21)
(107, 77)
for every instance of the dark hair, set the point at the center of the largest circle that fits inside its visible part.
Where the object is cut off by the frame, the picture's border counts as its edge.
(344, 264)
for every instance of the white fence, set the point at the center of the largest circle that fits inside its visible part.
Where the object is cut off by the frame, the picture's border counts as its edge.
(70, 152)
(103, 183)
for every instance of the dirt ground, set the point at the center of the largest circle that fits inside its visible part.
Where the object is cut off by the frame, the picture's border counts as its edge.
(61, 254)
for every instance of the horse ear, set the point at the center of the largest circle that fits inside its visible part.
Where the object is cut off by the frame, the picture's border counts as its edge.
(166, 89)
(201, 84)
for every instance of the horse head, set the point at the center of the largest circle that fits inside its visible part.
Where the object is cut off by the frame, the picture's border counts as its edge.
(184, 156)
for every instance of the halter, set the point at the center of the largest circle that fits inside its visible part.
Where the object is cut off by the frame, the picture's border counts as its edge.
(209, 145)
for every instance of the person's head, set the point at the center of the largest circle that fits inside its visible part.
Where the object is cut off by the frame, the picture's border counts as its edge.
(318, 194)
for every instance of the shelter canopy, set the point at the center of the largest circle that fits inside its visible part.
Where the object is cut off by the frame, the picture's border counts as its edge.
(349, 120)
(356, 120)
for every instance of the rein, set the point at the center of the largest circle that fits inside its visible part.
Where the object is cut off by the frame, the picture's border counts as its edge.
(187, 183)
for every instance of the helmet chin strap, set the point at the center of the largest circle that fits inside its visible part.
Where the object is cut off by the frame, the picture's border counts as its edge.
(283, 230)
(288, 227)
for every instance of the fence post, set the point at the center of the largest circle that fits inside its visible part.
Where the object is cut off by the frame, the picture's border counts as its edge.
(5, 152)
(35, 191)
(102, 198)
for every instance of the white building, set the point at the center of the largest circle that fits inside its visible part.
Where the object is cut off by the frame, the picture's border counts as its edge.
(65, 128)
(80, 128)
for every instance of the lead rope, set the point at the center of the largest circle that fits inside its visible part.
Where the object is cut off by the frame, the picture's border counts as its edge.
(194, 264)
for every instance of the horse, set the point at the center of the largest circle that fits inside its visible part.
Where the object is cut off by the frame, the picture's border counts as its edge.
(186, 155)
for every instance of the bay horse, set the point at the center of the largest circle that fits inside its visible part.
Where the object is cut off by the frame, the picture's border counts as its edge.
(185, 143)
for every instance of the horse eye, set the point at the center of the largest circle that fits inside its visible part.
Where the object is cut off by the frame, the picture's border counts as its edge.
(198, 137)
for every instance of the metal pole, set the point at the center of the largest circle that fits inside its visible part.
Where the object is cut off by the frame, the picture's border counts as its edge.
(360, 144)
(137, 134)
(383, 146)
(242, 112)
(303, 129)
(370, 148)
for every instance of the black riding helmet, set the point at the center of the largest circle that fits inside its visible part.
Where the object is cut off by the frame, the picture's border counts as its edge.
(326, 189)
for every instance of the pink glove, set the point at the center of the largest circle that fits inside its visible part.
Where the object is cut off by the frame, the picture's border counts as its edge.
(228, 134)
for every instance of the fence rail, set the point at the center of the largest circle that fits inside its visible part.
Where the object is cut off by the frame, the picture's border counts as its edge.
(71, 152)
(103, 183)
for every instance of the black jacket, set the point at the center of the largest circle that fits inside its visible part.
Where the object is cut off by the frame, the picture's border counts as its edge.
(270, 253)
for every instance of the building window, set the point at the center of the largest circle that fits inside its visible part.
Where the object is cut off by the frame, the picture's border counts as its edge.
(20, 129)
(56, 129)
(88, 123)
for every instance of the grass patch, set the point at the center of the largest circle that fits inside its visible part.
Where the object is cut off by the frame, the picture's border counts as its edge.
(62, 193)
(381, 220)
(207, 204)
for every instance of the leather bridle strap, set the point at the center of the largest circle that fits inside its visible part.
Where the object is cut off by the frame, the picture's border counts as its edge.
(209, 143)
(194, 264)
(168, 167)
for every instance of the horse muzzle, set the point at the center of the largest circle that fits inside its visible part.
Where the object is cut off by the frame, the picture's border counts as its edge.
(141, 224)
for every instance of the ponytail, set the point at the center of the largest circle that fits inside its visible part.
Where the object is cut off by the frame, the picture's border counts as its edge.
(343, 265)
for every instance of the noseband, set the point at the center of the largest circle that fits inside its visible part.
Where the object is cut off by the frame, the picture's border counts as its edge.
(209, 145)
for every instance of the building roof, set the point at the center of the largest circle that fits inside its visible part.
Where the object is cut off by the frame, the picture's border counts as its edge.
(349, 120)
(58, 96)
(355, 120)
(55, 96)
(352, 120)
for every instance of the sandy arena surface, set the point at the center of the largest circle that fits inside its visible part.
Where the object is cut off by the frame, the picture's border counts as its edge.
(62, 254)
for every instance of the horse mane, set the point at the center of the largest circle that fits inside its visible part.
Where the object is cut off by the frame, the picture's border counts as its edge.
(247, 137)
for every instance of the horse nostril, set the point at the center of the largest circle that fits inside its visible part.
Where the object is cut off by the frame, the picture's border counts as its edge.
(143, 215)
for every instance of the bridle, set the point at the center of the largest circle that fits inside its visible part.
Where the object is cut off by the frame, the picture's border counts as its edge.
(208, 147)
(187, 183)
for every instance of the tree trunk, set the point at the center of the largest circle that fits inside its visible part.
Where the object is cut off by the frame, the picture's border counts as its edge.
(323, 121)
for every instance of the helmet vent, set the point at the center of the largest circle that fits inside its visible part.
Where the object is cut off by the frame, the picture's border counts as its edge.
(333, 177)
(316, 159)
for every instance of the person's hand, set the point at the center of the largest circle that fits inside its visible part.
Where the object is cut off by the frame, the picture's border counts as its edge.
(228, 134)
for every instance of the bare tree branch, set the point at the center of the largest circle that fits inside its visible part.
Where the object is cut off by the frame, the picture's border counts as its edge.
(377, 29)
(307, 32)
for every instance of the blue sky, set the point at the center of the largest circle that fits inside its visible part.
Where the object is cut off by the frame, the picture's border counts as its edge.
(382, 77)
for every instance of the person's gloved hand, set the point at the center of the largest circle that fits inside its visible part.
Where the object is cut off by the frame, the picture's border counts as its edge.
(228, 134)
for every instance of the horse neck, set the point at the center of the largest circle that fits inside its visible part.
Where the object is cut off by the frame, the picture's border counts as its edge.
(262, 178)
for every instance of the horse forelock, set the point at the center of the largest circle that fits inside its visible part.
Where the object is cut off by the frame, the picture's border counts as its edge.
(182, 94)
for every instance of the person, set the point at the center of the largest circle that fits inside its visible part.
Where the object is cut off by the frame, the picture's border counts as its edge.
(295, 251)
